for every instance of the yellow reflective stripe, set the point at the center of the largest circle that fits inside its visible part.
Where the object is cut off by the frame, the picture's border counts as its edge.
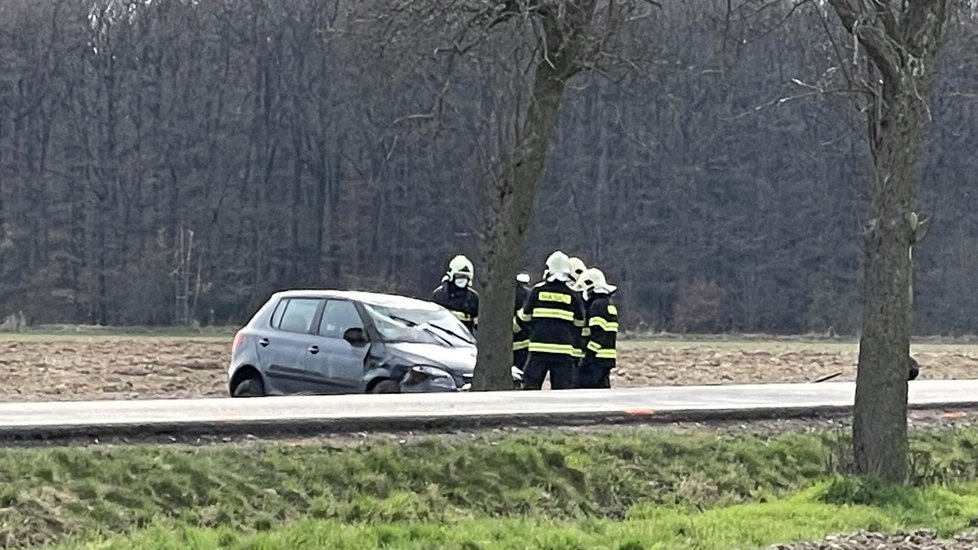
(522, 344)
(560, 349)
(548, 313)
(604, 324)
(462, 316)
(558, 297)
(612, 310)
(606, 354)
(522, 316)
(579, 324)
(585, 332)
(594, 346)
(516, 326)
(578, 353)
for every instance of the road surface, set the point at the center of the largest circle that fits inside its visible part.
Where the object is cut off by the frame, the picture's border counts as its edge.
(348, 413)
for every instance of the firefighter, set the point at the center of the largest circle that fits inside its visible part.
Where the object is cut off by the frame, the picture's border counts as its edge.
(553, 316)
(600, 352)
(521, 338)
(577, 267)
(456, 294)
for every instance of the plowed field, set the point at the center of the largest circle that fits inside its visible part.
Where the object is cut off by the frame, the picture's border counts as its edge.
(36, 367)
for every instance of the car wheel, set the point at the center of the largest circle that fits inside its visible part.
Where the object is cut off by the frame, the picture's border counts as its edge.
(249, 387)
(385, 386)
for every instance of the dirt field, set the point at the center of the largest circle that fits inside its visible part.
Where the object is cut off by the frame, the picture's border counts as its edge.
(37, 367)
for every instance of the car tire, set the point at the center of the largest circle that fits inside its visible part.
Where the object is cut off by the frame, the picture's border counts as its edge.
(385, 386)
(249, 387)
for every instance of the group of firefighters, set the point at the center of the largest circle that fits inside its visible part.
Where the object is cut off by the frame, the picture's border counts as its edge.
(565, 325)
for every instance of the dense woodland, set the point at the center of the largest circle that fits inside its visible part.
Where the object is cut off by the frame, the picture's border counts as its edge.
(713, 169)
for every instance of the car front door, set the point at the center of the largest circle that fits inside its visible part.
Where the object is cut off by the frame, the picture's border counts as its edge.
(283, 348)
(336, 364)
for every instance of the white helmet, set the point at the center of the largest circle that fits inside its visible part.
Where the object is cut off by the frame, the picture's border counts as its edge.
(460, 270)
(558, 266)
(593, 281)
(577, 267)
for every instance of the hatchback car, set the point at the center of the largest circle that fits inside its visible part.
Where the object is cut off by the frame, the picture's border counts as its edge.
(328, 342)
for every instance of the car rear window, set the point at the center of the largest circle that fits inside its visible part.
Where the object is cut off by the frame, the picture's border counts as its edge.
(297, 314)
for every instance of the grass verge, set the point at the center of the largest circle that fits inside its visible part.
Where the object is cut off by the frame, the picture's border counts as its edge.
(47, 495)
(810, 515)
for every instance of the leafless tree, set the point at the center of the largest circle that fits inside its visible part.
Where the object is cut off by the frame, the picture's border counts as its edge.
(894, 67)
(329, 144)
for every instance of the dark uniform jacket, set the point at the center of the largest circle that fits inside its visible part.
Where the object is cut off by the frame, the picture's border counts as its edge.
(463, 302)
(602, 338)
(554, 316)
(521, 336)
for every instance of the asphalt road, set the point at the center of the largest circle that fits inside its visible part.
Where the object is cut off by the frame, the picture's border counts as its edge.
(420, 411)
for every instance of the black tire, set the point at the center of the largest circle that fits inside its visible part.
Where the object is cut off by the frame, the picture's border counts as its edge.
(385, 386)
(251, 386)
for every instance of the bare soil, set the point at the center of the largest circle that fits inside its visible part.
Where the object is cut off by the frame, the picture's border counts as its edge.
(728, 365)
(115, 367)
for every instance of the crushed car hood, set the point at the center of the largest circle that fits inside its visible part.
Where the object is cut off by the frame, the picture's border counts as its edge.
(460, 360)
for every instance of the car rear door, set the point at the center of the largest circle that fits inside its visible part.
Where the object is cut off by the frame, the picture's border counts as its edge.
(336, 364)
(282, 348)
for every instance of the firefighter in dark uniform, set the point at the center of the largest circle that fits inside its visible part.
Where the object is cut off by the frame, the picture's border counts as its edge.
(600, 352)
(521, 337)
(456, 295)
(577, 267)
(553, 315)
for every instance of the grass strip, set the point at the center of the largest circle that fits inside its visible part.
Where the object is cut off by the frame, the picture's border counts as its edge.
(810, 515)
(47, 495)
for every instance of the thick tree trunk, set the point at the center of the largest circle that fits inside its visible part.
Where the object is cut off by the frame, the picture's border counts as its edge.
(512, 196)
(880, 414)
(902, 49)
(506, 235)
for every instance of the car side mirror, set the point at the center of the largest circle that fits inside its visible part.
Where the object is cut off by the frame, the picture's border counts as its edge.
(355, 336)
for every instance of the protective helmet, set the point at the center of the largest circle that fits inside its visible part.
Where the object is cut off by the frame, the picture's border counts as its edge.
(577, 267)
(460, 271)
(558, 266)
(594, 281)
(460, 266)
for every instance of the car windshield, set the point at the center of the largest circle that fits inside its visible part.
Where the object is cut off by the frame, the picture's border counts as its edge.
(421, 326)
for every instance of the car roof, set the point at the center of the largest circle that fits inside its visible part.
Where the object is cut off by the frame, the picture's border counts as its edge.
(371, 298)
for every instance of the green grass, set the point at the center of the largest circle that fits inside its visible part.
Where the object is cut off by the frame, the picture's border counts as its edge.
(808, 515)
(47, 495)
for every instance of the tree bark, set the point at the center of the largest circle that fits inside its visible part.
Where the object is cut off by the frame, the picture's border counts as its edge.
(506, 235)
(512, 197)
(880, 413)
(903, 55)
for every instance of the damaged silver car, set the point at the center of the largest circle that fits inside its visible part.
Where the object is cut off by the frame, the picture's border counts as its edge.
(331, 342)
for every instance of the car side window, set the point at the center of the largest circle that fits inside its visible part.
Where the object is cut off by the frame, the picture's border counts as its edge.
(299, 314)
(279, 311)
(338, 317)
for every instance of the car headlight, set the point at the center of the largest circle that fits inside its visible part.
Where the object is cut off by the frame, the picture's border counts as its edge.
(432, 376)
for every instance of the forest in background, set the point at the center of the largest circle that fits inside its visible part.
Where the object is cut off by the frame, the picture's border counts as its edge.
(707, 175)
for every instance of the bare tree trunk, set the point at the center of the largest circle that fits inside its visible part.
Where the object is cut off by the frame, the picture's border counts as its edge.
(902, 50)
(506, 235)
(880, 414)
(512, 197)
